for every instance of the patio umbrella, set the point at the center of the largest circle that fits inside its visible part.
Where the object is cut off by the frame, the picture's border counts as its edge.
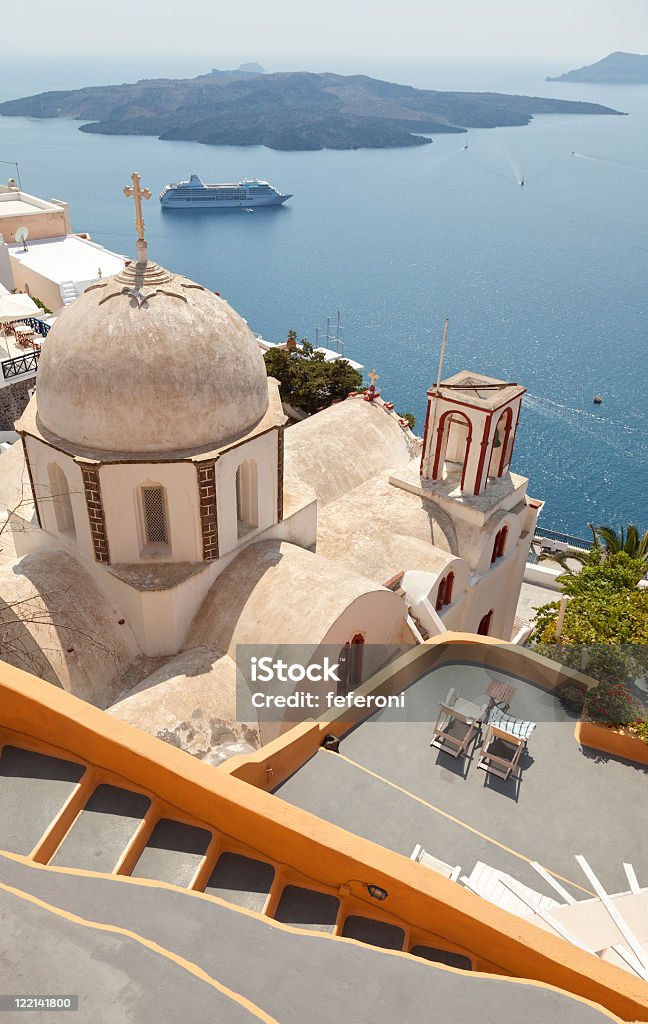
(14, 307)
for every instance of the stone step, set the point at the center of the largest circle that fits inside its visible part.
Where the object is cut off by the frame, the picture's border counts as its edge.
(102, 830)
(173, 853)
(33, 789)
(442, 956)
(241, 880)
(306, 908)
(374, 933)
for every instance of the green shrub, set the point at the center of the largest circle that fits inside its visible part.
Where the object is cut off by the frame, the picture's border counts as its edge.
(611, 703)
(572, 698)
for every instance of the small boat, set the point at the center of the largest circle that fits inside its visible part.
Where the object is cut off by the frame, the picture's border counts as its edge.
(597, 399)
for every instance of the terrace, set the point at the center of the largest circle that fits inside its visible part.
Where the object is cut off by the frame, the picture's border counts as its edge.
(388, 785)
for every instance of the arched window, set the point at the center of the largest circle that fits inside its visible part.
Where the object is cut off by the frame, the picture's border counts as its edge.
(453, 441)
(444, 593)
(345, 670)
(502, 541)
(357, 651)
(154, 514)
(61, 501)
(499, 544)
(484, 626)
(502, 441)
(247, 497)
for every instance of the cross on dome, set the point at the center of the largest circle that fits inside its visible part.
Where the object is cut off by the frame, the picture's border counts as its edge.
(136, 192)
(373, 377)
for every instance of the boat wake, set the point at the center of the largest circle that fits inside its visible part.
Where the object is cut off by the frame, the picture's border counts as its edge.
(592, 424)
(612, 163)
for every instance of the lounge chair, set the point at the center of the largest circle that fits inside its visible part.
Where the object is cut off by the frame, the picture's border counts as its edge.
(423, 857)
(506, 892)
(516, 727)
(458, 724)
(504, 740)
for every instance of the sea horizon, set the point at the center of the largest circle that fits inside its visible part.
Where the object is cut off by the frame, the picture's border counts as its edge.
(544, 284)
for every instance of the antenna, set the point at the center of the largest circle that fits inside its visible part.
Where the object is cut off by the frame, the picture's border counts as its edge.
(438, 388)
(12, 163)
(21, 235)
(443, 348)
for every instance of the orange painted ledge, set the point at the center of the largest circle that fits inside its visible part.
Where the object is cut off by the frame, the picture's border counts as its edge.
(612, 741)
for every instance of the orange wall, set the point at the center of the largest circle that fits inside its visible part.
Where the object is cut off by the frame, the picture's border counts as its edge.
(311, 846)
(612, 741)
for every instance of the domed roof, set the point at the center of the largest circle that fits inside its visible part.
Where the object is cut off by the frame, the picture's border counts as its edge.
(148, 361)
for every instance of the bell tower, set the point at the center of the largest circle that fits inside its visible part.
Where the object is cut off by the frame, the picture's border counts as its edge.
(470, 430)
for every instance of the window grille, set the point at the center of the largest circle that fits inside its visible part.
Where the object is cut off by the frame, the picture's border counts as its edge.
(239, 513)
(154, 515)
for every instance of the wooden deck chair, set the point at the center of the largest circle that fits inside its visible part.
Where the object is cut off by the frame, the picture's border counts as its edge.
(454, 731)
(430, 861)
(501, 752)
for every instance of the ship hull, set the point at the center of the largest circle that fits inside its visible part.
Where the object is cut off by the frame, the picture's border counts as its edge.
(170, 202)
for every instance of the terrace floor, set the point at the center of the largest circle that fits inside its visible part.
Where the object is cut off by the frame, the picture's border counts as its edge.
(389, 785)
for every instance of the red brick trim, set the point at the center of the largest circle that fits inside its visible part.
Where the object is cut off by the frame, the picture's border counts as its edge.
(31, 481)
(94, 504)
(206, 472)
(280, 473)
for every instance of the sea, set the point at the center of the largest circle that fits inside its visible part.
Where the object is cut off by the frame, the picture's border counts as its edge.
(544, 284)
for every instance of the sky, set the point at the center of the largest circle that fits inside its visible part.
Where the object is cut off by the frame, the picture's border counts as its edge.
(284, 32)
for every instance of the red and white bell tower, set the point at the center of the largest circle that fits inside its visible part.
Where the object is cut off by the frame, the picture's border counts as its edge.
(470, 430)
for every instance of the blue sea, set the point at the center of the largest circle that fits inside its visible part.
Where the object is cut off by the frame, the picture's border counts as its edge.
(545, 284)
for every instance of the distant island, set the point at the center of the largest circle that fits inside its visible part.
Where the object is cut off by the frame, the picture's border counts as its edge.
(287, 111)
(616, 69)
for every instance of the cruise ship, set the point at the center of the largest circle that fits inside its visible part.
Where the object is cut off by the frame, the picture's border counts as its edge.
(195, 194)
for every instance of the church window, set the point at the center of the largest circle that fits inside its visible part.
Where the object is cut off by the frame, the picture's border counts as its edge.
(484, 626)
(357, 651)
(499, 544)
(247, 497)
(61, 500)
(444, 593)
(350, 662)
(155, 520)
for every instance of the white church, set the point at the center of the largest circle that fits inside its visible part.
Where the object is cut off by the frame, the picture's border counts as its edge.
(166, 513)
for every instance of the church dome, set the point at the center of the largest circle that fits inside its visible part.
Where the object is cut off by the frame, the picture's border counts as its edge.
(148, 361)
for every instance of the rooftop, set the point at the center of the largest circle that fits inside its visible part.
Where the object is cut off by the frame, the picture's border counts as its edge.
(478, 390)
(68, 258)
(14, 203)
(387, 784)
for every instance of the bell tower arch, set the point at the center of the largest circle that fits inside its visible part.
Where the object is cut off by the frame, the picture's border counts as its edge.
(470, 430)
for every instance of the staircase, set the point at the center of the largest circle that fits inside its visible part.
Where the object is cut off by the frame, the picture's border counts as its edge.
(151, 917)
(55, 812)
(68, 291)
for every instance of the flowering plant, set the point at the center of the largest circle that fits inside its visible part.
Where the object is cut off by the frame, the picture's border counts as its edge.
(611, 703)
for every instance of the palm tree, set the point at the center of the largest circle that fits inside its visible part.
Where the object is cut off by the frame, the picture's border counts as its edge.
(627, 539)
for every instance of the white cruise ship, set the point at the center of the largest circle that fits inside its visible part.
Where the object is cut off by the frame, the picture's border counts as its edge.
(195, 194)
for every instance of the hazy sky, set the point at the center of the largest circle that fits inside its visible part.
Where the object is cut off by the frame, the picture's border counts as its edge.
(234, 30)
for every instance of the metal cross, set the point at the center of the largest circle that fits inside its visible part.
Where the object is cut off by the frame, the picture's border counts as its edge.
(136, 192)
(373, 377)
